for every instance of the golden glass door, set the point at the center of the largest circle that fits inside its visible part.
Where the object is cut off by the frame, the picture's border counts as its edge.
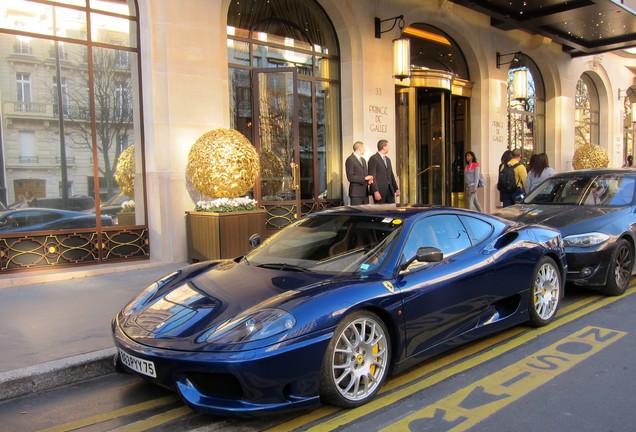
(432, 132)
(276, 140)
(431, 141)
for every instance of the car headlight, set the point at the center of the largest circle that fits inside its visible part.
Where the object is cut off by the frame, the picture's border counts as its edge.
(252, 326)
(147, 294)
(585, 240)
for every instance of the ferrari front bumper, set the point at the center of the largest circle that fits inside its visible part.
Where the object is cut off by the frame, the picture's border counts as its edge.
(275, 378)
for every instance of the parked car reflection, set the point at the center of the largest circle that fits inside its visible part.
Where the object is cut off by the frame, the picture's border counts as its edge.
(114, 204)
(42, 219)
(595, 211)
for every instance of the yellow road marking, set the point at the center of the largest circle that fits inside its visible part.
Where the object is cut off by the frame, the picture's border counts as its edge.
(353, 414)
(470, 405)
(431, 366)
(156, 420)
(443, 361)
(99, 418)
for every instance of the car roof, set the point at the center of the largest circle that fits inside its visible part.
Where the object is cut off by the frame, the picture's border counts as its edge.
(596, 172)
(402, 211)
(41, 209)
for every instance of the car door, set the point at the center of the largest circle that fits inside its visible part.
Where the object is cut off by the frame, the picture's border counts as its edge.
(443, 299)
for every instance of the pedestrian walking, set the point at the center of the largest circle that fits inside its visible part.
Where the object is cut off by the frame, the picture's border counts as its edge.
(472, 174)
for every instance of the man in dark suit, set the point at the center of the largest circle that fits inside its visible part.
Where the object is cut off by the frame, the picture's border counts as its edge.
(358, 175)
(384, 188)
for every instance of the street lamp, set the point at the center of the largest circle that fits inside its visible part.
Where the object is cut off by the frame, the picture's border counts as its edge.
(401, 47)
(519, 75)
(520, 84)
(401, 58)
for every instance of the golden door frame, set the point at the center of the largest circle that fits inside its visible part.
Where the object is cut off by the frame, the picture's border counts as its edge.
(407, 140)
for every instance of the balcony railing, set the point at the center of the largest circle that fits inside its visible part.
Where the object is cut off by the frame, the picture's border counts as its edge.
(74, 112)
(28, 159)
(22, 49)
(71, 112)
(69, 159)
(63, 54)
(29, 107)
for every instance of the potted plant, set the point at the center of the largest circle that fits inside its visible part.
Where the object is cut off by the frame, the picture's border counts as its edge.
(223, 166)
(127, 214)
(125, 178)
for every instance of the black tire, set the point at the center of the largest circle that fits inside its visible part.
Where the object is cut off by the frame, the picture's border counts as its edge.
(357, 361)
(545, 293)
(620, 270)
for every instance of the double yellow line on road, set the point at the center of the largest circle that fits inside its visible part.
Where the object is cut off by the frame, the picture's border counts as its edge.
(443, 367)
(329, 418)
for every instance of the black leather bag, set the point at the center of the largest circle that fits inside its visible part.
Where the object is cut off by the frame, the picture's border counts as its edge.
(519, 195)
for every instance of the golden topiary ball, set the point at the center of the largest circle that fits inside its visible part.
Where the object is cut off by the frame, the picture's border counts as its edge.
(590, 156)
(272, 167)
(125, 171)
(223, 163)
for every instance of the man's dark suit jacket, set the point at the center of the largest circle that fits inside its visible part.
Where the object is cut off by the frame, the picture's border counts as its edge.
(356, 172)
(383, 179)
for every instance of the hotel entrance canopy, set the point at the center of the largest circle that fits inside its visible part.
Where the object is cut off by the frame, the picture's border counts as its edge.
(582, 27)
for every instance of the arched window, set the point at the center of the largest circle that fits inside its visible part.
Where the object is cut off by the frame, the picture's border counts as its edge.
(285, 96)
(433, 49)
(629, 122)
(586, 112)
(71, 116)
(526, 107)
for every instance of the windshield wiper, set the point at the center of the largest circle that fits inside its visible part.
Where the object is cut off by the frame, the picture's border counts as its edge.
(284, 266)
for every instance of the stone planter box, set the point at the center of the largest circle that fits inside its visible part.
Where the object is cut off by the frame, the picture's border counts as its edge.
(222, 235)
(126, 219)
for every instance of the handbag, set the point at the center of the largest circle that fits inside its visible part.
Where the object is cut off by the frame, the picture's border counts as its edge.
(482, 181)
(519, 195)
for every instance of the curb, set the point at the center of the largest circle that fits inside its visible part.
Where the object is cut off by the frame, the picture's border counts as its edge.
(45, 376)
(38, 276)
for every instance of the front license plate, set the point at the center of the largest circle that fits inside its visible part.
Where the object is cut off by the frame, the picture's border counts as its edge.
(138, 365)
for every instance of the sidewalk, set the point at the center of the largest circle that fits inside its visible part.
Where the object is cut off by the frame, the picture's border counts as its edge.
(55, 327)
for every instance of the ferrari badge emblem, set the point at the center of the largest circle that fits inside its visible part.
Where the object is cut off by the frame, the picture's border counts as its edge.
(389, 286)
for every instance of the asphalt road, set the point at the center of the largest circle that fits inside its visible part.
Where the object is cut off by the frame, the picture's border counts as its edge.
(577, 374)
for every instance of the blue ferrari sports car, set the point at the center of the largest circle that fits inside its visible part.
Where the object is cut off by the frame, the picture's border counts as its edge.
(330, 306)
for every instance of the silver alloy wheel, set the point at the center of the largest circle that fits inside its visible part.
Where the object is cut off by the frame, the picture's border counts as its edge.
(360, 359)
(546, 290)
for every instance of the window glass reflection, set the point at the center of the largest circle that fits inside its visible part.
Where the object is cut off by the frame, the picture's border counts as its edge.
(122, 7)
(42, 19)
(67, 127)
(112, 30)
(526, 109)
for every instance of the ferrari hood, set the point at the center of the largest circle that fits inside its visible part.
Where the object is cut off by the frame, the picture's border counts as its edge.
(557, 216)
(178, 314)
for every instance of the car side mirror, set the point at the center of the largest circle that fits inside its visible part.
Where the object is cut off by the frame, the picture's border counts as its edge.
(425, 254)
(255, 240)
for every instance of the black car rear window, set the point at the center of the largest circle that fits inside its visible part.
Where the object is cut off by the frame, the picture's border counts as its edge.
(609, 190)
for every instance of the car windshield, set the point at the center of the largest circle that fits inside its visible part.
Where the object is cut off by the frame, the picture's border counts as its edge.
(611, 190)
(329, 244)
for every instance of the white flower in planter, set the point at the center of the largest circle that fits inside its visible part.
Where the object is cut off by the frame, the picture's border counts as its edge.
(224, 205)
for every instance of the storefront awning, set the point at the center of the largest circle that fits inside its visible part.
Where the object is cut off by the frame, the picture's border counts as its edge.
(582, 27)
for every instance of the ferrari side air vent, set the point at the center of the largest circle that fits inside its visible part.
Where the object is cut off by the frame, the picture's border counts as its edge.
(506, 239)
